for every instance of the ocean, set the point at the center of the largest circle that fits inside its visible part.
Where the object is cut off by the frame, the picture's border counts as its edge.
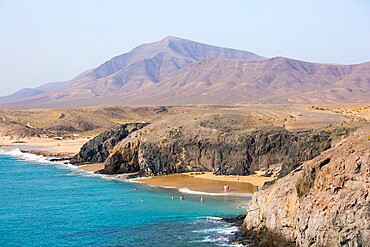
(44, 204)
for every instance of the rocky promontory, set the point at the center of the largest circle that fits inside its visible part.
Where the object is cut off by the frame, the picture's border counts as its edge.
(324, 202)
(98, 149)
(224, 144)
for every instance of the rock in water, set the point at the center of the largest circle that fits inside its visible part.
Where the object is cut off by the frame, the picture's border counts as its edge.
(98, 149)
(325, 202)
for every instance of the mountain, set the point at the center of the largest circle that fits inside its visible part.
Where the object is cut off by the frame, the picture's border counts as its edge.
(23, 93)
(43, 89)
(179, 71)
(275, 80)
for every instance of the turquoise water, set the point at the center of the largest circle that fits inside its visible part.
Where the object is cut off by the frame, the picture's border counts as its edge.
(54, 205)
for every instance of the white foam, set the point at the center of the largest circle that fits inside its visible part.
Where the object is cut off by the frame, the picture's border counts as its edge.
(221, 230)
(219, 241)
(16, 152)
(138, 179)
(244, 205)
(213, 239)
(188, 191)
(25, 156)
(159, 186)
(220, 234)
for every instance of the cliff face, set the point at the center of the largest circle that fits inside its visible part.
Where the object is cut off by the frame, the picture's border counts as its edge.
(215, 143)
(324, 202)
(98, 149)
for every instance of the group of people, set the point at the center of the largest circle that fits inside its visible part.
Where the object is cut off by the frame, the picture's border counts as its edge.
(182, 198)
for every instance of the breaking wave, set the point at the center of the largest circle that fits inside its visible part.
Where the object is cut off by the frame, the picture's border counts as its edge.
(188, 191)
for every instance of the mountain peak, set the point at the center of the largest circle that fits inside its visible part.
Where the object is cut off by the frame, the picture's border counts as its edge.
(171, 38)
(171, 53)
(180, 71)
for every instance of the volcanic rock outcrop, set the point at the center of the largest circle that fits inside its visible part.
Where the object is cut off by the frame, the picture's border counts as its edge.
(218, 143)
(98, 149)
(324, 202)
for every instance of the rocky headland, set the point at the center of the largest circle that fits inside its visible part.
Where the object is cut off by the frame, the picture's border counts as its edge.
(216, 144)
(227, 144)
(324, 202)
(98, 149)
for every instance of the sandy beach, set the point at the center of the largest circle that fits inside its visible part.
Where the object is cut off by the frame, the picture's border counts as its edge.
(209, 183)
(50, 146)
(256, 179)
(92, 167)
(200, 182)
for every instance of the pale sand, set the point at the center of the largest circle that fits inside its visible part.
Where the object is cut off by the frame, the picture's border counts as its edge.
(92, 167)
(257, 179)
(71, 146)
(208, 182)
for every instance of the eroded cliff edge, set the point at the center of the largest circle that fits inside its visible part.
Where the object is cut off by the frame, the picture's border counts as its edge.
(224, 144)
(324, 202)
(98, 149)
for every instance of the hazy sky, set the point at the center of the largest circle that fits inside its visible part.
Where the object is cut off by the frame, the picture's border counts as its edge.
(51, 40)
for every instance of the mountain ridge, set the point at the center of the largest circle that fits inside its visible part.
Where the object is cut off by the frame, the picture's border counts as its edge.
(180, 71)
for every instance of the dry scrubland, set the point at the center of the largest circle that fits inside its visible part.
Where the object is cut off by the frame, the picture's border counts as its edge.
(38, 127)
(90, 121)
(85, 121)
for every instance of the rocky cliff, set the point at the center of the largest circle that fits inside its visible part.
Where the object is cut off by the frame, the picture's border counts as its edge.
(219, 143)
(98, 149)
(324, 202)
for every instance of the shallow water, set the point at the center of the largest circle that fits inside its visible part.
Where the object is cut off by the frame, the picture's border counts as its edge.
(44, 204)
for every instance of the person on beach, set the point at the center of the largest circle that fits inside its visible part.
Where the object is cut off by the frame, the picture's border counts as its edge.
(225, 188)
(181, 197)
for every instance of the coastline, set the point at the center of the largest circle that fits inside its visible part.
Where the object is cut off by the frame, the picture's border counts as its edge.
(199, 182)
(44, 146)
(92, 167)
(208, 183)
(258, 179)
(205, 183)
(191, 182)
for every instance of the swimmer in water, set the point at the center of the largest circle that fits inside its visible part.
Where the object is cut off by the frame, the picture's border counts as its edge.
(181, 197)
(172, 197)
(135, 189)
(201, 199)
(142, 200)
